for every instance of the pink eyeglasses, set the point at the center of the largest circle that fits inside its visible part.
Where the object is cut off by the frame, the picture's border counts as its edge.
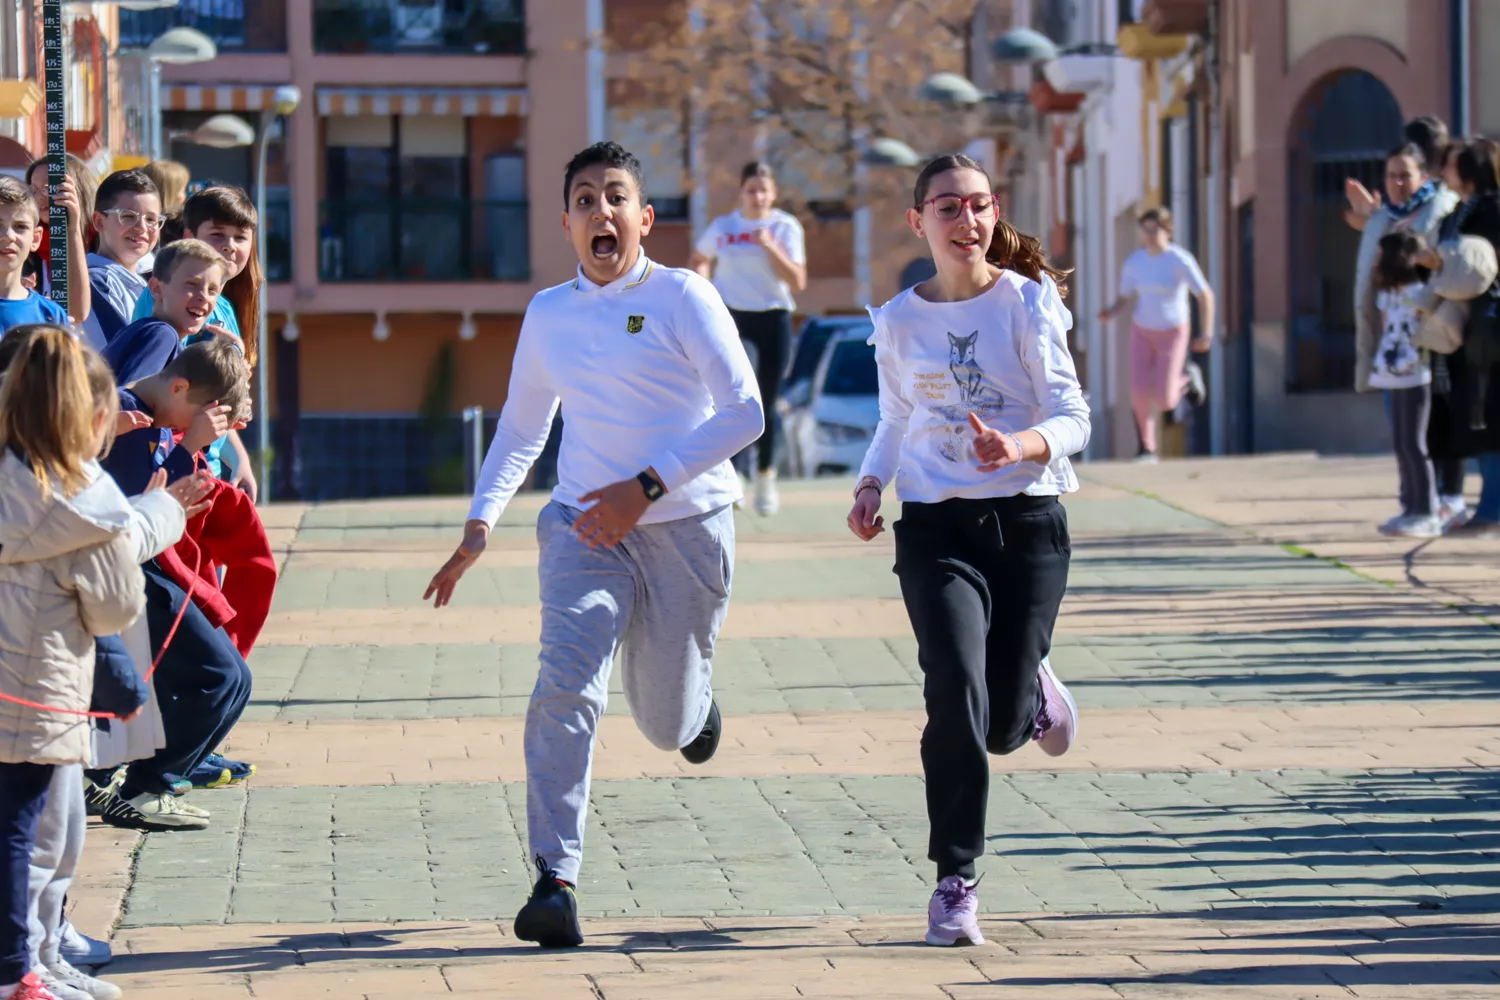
(950, 206)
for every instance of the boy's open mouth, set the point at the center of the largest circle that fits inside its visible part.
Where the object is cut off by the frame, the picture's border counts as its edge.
(604, 245)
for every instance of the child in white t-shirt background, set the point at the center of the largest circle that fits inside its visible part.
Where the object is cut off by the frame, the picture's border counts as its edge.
(1402, 369)
(1154, 284)
(757, 258)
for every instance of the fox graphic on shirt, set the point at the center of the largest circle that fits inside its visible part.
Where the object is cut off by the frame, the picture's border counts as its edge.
(966, 371)
(973, 397)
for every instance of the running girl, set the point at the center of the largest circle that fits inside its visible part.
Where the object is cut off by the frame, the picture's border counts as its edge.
(979, 410)
(757, 259)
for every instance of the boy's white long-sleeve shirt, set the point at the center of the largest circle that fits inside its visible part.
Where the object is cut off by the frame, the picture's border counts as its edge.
(649, 371)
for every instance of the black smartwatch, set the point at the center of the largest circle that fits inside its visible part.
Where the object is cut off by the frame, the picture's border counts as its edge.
(653, 487)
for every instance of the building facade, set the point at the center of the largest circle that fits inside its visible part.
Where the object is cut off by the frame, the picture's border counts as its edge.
(96, 122)
(1246, 117)
(414, 199)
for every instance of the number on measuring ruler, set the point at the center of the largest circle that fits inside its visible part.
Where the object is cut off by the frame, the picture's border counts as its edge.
(57, 146)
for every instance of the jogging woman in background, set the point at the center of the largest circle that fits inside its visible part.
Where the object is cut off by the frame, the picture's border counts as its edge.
(756, 258)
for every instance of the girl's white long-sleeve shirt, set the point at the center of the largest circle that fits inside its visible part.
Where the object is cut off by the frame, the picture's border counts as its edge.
(649, 371)
(1003, 356)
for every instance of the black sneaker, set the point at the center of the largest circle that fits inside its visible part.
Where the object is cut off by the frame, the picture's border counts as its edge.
(1197, 389)
(550, 916)
(706, 743)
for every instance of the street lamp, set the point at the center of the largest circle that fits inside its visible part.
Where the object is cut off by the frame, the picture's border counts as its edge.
(220, 132)
(180, 47)
(888, 152)
(954, 91)
(1027, 45)
(284, 101)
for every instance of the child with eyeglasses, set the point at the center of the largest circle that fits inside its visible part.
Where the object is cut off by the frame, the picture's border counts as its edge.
(128, 218)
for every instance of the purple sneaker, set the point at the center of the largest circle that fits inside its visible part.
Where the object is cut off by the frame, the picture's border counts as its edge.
(953, 913)
(1057, 719)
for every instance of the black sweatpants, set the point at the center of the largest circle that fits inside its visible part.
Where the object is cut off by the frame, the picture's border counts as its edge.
(982, 581)
(202, 685)
(23, 796)
(768, 340)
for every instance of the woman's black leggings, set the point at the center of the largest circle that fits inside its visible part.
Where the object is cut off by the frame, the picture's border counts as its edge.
(982, 581)
(768, 339)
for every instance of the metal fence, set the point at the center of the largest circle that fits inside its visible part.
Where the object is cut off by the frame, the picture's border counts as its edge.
(358, 457)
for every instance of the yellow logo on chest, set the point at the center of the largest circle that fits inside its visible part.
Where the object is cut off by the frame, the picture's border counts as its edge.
(634, 324)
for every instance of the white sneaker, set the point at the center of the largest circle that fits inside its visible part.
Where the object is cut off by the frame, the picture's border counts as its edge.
(70, 978)
(953, 914)
(766, 500)
(1451, 509)
(59, 989)
(1146, 458)
(154, 812)
(1413, 526)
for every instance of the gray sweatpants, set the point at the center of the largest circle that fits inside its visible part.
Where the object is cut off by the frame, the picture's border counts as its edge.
(659, 598)
(54, 860)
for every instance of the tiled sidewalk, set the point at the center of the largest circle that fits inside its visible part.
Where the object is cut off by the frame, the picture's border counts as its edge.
(1283, 787)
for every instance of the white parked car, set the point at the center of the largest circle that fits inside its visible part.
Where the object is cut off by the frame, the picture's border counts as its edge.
(830, 423)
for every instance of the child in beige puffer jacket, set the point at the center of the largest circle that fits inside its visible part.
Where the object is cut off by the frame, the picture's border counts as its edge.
(68, 573)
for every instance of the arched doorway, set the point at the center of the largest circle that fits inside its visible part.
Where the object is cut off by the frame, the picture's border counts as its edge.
(1344, 127)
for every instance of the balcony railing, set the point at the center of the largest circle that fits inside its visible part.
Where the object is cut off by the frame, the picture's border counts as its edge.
(424, 240)
(234, 25)
(489, 27)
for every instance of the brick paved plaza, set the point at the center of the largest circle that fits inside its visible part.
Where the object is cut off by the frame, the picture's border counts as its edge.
(1284, 787)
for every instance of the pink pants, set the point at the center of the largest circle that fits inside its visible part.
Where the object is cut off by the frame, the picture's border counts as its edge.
(1157, 379)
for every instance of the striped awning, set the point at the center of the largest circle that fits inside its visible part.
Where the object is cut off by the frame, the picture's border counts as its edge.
(488, 102)
(217, 97)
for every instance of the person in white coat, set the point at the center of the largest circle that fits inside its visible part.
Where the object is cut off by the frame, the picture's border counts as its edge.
(68, 573)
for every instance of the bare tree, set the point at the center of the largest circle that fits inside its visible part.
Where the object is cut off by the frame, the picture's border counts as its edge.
(814, 80)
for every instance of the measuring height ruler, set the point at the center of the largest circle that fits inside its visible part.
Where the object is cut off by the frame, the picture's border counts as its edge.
(57, 145)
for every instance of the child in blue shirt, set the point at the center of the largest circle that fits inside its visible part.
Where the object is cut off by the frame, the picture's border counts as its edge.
(20, 236)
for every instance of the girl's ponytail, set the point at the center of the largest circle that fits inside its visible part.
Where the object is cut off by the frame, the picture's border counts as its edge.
(47, 407)
(1019, 252)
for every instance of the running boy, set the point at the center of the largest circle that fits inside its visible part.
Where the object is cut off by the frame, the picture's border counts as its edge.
(637, 544)
(20, 236)
(127, 217)
(203, 683)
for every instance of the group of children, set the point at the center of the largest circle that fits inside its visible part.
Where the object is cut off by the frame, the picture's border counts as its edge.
(124, 623)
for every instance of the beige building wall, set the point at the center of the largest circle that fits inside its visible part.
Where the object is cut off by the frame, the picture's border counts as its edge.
(1485, 58)
(1310, 23)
